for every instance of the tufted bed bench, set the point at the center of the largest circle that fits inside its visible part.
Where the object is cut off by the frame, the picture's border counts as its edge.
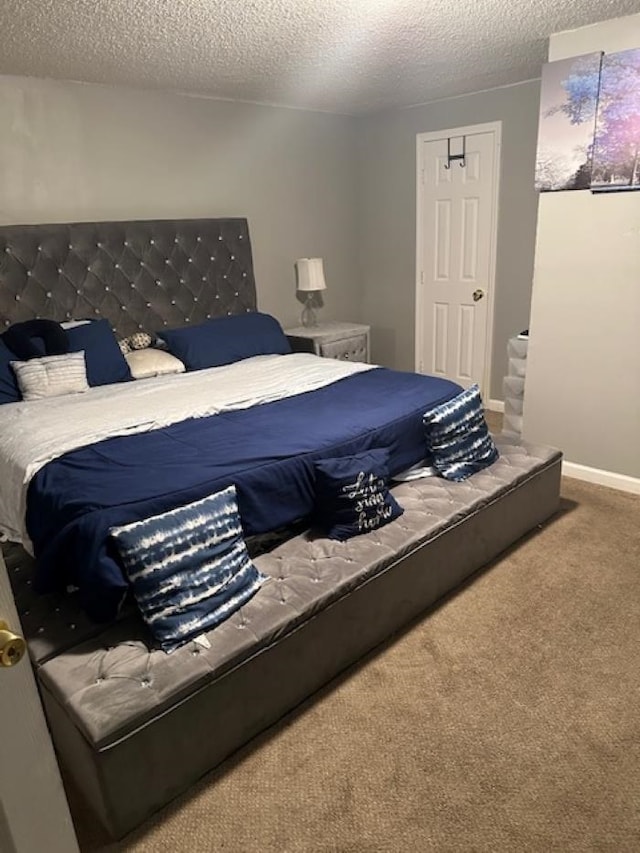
(135, 728)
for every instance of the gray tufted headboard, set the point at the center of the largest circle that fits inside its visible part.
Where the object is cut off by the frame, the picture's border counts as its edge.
(137, 275)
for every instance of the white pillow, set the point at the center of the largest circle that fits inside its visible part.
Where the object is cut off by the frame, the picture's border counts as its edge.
(51, 376)
(71, 324)
(144, 363)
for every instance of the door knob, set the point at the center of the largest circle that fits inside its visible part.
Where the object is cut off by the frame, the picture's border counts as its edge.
(477, 295)
(12, 646)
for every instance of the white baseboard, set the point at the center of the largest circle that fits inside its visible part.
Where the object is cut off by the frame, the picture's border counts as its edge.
(601, 477)
(495, 405)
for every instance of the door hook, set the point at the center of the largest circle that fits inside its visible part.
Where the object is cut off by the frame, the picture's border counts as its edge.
(461, 157)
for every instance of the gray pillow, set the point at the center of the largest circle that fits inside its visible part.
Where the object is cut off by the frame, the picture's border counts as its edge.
(51, 376)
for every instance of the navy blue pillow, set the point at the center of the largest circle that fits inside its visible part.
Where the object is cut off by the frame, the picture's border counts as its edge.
(352, 495)
(9, 391)
(458, 438)
(105, 362)
(189, 567)
(226, 340)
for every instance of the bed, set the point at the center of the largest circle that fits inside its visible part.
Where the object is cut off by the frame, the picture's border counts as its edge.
(132, 724)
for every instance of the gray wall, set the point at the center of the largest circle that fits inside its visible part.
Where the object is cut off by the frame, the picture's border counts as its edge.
(582, 390)
(311, 184)
(72, 152)
(388, 217)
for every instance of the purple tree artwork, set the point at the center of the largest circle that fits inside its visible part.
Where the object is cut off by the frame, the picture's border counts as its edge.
(616, 160)
(568, 100)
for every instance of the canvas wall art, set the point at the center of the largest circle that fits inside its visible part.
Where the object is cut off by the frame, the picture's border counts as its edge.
(616, 159)
(568, 101)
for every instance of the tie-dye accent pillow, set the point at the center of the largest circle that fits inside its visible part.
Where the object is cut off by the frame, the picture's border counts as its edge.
(352, 496)
(458, 438)
(189, 567)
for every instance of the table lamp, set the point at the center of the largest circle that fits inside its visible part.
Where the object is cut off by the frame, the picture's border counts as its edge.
(309, 280)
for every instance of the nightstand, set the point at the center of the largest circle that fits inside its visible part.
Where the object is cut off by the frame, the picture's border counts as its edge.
(346, 341)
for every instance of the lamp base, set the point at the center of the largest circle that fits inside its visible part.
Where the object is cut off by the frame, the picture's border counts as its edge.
(308, 317)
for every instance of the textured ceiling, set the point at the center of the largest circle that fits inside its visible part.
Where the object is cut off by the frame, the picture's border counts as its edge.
(348, 56)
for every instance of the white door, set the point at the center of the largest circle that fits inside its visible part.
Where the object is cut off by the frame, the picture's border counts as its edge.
(34, 815)
(456, 239)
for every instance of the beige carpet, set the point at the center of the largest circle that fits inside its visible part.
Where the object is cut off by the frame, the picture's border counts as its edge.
(506, 720)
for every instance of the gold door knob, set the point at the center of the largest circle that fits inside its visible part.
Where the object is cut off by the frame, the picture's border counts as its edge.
(12, 646)
(477, 295)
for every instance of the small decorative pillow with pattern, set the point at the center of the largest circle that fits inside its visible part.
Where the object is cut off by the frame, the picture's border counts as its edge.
(189, 567)
(457, 436)
(139, 340)
(352, 494)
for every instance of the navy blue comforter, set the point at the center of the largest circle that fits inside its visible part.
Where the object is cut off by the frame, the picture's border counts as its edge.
(267, 451)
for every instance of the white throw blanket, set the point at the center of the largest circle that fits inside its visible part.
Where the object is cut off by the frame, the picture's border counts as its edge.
(34, 433)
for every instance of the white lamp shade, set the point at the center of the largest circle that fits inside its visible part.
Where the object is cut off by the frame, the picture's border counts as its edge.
(310, 274)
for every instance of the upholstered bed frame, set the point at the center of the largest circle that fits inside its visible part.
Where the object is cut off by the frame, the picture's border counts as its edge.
(325, 604)
(137, 275)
